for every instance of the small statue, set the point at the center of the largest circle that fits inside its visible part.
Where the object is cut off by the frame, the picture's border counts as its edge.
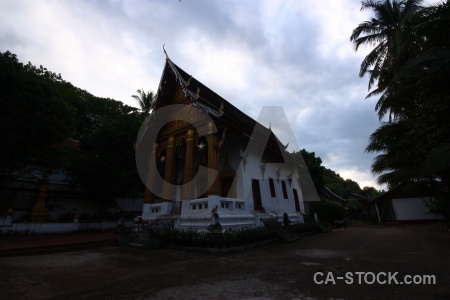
(215, 226)
(286, 220)
(214, 213)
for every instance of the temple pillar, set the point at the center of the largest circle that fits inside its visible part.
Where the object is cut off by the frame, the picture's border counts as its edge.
(168, 176)
(149, 197)
(213, 181)
(187, 192)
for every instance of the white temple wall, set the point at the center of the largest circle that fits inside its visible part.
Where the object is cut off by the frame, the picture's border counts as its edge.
(278, 204)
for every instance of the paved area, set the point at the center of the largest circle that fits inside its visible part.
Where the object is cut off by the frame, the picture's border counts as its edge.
(13, 245)
(277, 271)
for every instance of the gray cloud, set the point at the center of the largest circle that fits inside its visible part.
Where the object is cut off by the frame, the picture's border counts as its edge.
(294, 54)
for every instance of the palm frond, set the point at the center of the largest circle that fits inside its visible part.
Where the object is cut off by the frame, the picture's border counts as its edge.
(145, 100)
(433, 61)
(437, 161)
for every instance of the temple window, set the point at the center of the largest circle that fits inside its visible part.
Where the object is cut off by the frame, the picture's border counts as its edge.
(283, 185)
(272, 187)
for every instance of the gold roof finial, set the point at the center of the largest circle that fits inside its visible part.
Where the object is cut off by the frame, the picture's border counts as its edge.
(221, 109)
(189, 81)
(198, 93)
(167, 56)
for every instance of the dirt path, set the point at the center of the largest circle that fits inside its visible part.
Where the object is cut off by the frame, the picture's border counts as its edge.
(278, 271)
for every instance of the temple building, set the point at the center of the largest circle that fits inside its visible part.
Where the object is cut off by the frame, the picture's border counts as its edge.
(209, 162)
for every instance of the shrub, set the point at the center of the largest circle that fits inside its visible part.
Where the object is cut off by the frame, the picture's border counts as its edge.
(229, 238)
(303, 228)
(327, 211)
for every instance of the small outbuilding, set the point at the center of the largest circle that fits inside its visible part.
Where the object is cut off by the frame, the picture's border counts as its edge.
(400, 205)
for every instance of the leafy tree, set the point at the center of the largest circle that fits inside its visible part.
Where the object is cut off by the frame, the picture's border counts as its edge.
(339, 185)
(108, 165)
(353, 209)
(428, 75)
(33, 114)
(327, 210)
(323, 177)
(315, 168)
(40, 110)
(440, 207)
(370, 192)
(91, 112)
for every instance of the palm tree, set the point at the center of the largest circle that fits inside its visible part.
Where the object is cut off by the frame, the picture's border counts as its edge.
(400, 158)
(410, 67)
(428, 75)
(146, 100)
(389, 32)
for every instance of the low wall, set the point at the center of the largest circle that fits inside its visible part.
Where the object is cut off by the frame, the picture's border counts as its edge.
(57, 227)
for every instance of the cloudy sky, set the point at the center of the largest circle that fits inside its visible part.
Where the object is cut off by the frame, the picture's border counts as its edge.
(294, 54)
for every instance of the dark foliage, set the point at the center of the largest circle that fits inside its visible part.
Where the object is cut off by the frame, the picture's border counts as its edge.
(40, 110)
(229, 237)
(327, 211)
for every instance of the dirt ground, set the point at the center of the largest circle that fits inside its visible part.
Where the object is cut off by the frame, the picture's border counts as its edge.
(277, 271)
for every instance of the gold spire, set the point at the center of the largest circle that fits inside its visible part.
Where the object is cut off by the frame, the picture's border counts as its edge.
(167, 56)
